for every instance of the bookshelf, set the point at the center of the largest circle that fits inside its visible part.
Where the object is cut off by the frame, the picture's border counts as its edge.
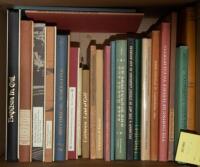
(151, 15)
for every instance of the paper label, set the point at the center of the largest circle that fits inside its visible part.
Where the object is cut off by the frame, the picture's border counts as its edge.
(37, 126)
(72, 106)
(25, 127)
(49, 134)
(188, 150)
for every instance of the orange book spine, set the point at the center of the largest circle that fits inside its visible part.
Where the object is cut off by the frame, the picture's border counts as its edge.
(26, 52)
(49, 93)
(154, 95)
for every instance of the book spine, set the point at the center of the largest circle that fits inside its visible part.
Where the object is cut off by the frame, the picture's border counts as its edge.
(121, 99)
(172, 85)
(146, 99)
(39, 56)
(137, 94)
(85, 114)
(61, 97)
(79, 104)
(130, 100)
(12, 107)
(99, 104)
(190, 42)
(49, 93)
(113, 96)
(93, 78)
(155, 66)
(197, 67)
(106, 95)
(25, 114)
(181, 92)
(72, 107)
(164, 91)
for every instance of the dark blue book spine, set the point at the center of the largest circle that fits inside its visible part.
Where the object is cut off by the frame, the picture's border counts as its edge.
(61, 97)
(130, 100)
(13, 17)
(137, 107)
(112, 127)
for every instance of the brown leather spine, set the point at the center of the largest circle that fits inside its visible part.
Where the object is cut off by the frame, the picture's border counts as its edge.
(26, 51)
(154, 95)
(49, 93)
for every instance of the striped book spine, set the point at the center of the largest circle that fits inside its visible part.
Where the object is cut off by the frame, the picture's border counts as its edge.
(121, 99)
(12, 84)
(61, 97)
(25, 113)
(39, 58)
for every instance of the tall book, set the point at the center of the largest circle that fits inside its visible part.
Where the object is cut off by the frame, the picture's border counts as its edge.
(154, 113)
(121, 99)
(12, 84)
(72, 106)
(112, 100)
(79, 104)
(181, 92)
(164, 91)
(106, 97)
(39, 70)
(85, 112)
(25, 112)
(187, 36)
(197, 67)
(93, 102)
(61, 96)
(49, 94)
(146, 99)
(173, 21)
(130, 98)
(137, 94)
(99, 104)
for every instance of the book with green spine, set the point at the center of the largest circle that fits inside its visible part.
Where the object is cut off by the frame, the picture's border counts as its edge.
(121, 99)
(137, 94)
(181, 92)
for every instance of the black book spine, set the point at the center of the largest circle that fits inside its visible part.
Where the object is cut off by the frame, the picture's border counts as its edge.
(13, 18)
(130, 101)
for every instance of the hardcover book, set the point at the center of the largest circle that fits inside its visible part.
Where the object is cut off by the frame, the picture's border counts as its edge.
(50, 94)
(181, 92)
(12, 84)
(164, 91)
(39, 70)
(146, 98)
(61, 96)
(121, 99)
(25, 112)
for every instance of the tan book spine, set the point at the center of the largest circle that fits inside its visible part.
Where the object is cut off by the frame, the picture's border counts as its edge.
(79, 105)
(49, 93)
(85, 114)
(99, 104)
(93, 78)
(25, 113)
(155, 68)
(146, 99)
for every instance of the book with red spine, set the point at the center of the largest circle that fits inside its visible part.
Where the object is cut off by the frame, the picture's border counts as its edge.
(72, 102)
(164, 91)
(106, 103)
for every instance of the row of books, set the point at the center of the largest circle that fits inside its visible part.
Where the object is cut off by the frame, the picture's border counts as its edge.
(129, 102)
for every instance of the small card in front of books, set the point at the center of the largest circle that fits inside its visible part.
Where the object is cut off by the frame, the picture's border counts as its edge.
(188, 150)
